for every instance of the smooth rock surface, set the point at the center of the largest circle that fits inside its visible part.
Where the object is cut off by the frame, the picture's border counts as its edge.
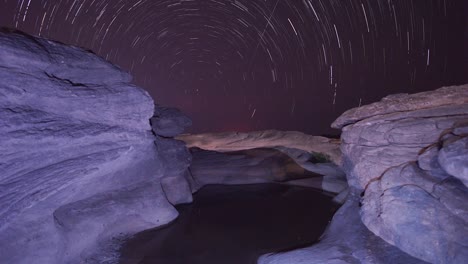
(78, 165)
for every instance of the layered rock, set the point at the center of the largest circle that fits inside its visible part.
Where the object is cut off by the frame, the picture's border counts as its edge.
(407, 157)
(266, 157)
(233, 141)
(408, 153)
(78, 164)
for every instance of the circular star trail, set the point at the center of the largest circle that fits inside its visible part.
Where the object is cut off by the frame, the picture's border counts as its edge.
(263, 64)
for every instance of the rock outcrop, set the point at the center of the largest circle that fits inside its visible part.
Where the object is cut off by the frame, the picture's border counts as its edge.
(78, 166)
(266, 157)
(408, 153)
(169, 122)
(232, 141)
(407, 157)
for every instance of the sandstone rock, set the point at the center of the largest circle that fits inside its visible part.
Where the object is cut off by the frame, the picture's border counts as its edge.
(246, 167)
(177, 190)
(373, 145)
(75, 137)
(453, 158)
(408, 153)
(233, 141)
(456, 95)
(169, 122)
(267, 156)
(420, 214)
(175, 155)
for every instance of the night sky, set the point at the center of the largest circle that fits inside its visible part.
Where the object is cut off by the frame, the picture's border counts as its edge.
(263, 64)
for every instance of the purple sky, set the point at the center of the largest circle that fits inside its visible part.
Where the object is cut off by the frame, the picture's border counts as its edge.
(263, 64)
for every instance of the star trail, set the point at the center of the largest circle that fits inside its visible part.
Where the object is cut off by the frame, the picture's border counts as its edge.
(263, 64)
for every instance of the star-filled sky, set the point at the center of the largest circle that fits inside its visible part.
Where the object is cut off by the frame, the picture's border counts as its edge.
(263, 64)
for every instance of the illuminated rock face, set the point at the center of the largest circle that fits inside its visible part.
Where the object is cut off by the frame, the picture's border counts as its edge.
(408, 154)
(78, 161)
(405, 158)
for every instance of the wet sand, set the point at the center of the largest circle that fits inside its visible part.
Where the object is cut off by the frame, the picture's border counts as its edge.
(234, 225)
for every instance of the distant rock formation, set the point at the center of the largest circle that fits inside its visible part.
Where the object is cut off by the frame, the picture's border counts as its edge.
(232, 141)
(78, 166)
(265, 157)
(407, 156)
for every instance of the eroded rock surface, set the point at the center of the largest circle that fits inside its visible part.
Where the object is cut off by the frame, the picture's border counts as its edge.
(169, 122)
(408, 154)
(407, 157)
(78, 163)
(266, 157)
(232, 141)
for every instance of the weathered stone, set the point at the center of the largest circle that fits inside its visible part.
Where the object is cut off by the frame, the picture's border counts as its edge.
(175, 155)
(233, 141)
(177, 189)
(453, 158)
(76, 148)
(169, 122)
(399, 151)
(405, 103)
(422, 215)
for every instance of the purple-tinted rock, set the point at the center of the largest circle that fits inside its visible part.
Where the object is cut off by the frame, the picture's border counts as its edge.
(177, 189)
(169, 122)
(406, 153)
(424, 216)
(453, 158)
(77, 156)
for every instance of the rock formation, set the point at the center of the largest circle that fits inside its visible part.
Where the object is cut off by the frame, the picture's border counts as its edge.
(79, 168)
(407, 157)
(266, 157)
(408, 153)
(232, 141)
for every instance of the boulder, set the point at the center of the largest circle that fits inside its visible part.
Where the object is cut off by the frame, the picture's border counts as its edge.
(169, 122)
(453, 158)
(78, 165)
(177, 189)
